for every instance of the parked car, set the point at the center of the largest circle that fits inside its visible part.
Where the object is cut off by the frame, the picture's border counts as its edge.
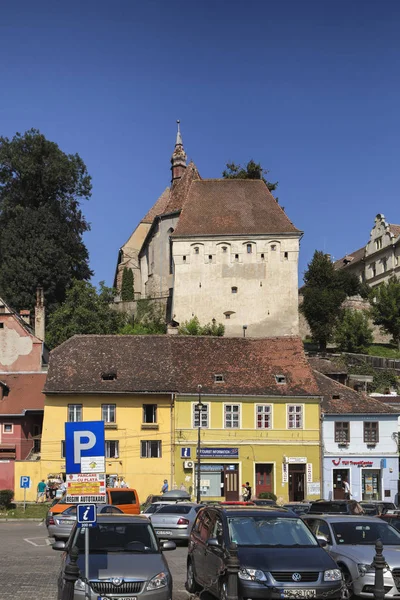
(264, 502)
(350, 540)
(378, 508)
(332, 507)
(300, 508)
(391, 518)
(279, 556)
(126, 499)
(171, 496)
(60, 526)
(125, 560)
(174, 521)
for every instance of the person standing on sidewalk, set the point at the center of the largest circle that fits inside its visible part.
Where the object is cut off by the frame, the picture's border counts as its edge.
(41, 491)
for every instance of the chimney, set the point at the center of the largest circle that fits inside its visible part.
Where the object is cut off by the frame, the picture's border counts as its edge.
(25, 316)
(39, 313)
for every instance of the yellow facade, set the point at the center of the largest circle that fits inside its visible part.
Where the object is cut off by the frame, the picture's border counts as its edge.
(146, 475)
(279, 458)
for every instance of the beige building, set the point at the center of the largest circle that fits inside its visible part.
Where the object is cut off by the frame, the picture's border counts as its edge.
(380, 258)
(218, 249)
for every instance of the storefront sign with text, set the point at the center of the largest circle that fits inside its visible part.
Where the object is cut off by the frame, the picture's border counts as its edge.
(356, 463)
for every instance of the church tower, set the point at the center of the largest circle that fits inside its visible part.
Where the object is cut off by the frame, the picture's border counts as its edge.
(178, 159)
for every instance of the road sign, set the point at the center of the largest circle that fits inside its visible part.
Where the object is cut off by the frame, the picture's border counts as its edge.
(185, 452)
(86, 515)
(25, 482)
(84, 447)
(86, 487)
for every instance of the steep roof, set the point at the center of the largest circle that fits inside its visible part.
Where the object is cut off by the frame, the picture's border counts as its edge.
(25, 393)
(179, 364)
(157, 208)
(232, 207)
(339, 399)
(350, 259)
(180, 189)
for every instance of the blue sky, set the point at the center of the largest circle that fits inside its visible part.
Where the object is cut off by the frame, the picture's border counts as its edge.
(308, 88)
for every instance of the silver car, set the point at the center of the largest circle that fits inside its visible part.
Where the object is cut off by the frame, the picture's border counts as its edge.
(125, 560)
(350, 540)
(60, 526)
(173, 521)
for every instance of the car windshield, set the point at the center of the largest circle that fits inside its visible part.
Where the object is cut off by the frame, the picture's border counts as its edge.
(174, 509)
(153, 508)
(269, 531)
(366, 532)
(118, 537)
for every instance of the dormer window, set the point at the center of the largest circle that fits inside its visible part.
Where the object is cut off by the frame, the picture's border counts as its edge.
(281, 379)
(218, 378)
(110, 376)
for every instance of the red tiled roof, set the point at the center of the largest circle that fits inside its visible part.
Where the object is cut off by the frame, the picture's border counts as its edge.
(25, 393)
(232, 207)
(350, 259)
(395, 229)
(349, 401)
(326, 366)
(163, 363)
(158, 208)
(180, 189)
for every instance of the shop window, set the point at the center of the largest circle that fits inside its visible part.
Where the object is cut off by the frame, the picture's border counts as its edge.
(342, 432)
(232, 416)
(108, 413)
(371, 432)
(112, 449)
(150, 449)
(74, 413)
(295, 416)
(204, 416)
(264, 413)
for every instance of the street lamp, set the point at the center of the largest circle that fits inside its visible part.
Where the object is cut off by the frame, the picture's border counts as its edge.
(199, 409)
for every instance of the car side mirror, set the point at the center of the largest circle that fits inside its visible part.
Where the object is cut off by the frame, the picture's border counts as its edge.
(59, 546)
(322, 541)
(213, 542)
(169, 545)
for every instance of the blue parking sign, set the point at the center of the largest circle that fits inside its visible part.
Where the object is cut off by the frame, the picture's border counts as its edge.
(25, 482)
(84, 447)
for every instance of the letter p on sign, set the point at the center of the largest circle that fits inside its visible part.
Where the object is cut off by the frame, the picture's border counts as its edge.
(80, 444)
(84, 445)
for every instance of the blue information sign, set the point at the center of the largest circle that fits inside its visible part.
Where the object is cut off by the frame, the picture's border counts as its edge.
(86, 515)
(219, 452)
(185, 452)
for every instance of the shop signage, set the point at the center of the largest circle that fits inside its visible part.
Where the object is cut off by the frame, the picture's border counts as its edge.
(355, 463)
(285, 473)
(309, 472)
(295, 459)
(219, 453)
(314, 489)
(86, 487)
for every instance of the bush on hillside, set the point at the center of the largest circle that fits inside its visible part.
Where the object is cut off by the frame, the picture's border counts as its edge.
(6, 498)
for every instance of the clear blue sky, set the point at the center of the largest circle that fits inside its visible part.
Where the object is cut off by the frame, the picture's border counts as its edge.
(308, 88)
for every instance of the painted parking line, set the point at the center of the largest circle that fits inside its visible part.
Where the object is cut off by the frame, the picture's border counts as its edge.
(44, 541)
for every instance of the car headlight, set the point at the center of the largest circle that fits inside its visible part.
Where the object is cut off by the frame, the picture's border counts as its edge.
(333, 575)
(252, 574)
(363, 569)
(80, 585)
(158, 581)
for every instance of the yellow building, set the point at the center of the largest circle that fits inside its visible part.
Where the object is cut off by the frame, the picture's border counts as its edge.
(261, 424)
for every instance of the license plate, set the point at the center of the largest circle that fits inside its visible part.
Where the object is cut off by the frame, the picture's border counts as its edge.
(117, 598)
(64, 522)
(298, 593)
(163, 532)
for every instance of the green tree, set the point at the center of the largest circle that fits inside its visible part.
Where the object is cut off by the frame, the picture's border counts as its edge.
(252, 170)
(353, 333)
(41, 222)
(324, 291)
(85, 311)
(385, 307)
(127, 290)
(193, 327)
(149, 319)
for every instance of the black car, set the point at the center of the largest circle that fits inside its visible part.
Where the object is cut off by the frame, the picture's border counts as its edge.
(331, 507)
(279, 556)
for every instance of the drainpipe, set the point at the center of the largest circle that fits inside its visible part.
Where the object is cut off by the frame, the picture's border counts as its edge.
(172, 428)
(322, 446)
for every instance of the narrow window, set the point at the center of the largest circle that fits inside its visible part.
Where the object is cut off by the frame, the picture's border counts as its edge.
(150, 449)
(1, 325)
(249, 248)
(224, 249)
(196, 250)
(202, 416)
(234, 290)
(262, 256)
(286, 255)
(378, 243)
(149, 413)
(210, 257)
(74, 413)
(232, 416)
(236, 257)
(371, 432)
(373, 269)
(108, 413)
(295, 416)
(384, 265)
(264, 416)
(342, 432)
(112, 449)
(184, 258)
(273, 247)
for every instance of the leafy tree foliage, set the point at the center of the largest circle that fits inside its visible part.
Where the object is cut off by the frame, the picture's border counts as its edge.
(127, 291)
(385, 307)
(193, 327)
(252, 170)
(149, 319)
(383, 379)
(353, 333)
(324, 291)
(41, 222)
(85, 311)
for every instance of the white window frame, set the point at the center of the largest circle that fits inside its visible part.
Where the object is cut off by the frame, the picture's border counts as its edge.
(203, 414)
(146, 454)
(107, 407)
(269, 406)
(8, 432)
(301, 412)
(108, 448)
(73, 408)
(239, 413)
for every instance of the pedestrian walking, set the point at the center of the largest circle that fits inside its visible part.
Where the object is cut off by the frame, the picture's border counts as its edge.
(346, 488)
(165, 486)
(122, 483)
(41, 491)
(246, 493)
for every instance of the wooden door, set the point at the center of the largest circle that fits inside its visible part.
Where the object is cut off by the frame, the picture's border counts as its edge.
(263, 478)
(231, 478)
(297, 477)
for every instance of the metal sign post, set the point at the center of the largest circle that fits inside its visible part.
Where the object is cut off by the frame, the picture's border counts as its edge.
(87, 590)
(24, 483)
(86, 517)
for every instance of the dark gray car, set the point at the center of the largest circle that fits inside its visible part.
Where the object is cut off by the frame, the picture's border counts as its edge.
(279, 556)
(125, 560)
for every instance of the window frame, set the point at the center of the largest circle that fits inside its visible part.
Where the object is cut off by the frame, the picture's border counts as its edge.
(225, 405)
(368, 431)
(6, 425)
(155, 415)
(146, 454)
(107, 449)
(103, 406)
(301, 412)
(205, 413)
(74, 408)
(340, 429)
(270, 426)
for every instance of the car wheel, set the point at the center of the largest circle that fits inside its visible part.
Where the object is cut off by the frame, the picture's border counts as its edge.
(348, 591)
(191, 584)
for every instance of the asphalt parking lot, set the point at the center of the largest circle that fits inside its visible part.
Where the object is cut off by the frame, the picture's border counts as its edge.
(29, 566)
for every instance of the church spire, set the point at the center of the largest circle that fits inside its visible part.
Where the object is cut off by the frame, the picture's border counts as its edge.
(178, 159)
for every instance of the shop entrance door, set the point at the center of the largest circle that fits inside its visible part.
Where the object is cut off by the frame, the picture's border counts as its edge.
(297, 476)
(339, 475)
(263, 478)
(231, 479)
